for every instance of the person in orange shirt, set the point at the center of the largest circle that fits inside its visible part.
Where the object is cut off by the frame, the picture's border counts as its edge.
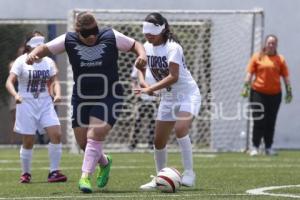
(266, 66)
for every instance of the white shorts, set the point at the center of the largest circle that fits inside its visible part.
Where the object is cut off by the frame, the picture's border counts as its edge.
(35, 114)
(168, 110)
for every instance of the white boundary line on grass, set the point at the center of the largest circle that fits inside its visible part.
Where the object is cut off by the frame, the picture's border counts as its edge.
(263, 191)
(123, 196)
(151, 167)
(42, 159)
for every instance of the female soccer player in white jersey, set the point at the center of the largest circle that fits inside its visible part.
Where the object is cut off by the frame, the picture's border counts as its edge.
(97, 96)
(35, 108)
(180, 95)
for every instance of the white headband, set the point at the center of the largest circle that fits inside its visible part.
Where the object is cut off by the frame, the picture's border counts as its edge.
(152, 28)
(35, 41)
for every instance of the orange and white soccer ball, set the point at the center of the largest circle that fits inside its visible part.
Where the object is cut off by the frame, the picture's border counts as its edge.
(168, 180)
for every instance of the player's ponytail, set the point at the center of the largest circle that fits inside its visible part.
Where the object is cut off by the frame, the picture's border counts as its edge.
(168, 34)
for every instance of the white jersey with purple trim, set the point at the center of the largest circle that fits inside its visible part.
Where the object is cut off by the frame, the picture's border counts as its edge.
(159, 58)
(32, 79)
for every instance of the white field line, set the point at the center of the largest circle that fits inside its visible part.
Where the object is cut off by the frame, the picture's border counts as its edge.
(266, 160)
(151, 167)
(264, 191)
(42, 159)
(198, 166)
(75, 168)
(16, 156)
(204, 155)
(258, 191)
(101, 196)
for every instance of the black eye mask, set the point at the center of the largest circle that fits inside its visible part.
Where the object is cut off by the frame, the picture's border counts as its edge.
(87, 32)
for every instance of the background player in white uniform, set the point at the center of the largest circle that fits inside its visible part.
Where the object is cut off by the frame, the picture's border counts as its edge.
(35, 108)
(180, 95)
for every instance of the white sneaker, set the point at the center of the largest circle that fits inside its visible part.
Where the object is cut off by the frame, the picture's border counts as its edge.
(188, 178)
(271, 152)
(151, 186)
(254, 152)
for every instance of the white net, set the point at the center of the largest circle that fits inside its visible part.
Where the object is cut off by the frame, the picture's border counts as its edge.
(217, 46)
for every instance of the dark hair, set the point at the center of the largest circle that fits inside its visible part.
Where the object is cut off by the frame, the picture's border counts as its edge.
(263, 49)
(30, 35)
(84, 19)
(157, 19)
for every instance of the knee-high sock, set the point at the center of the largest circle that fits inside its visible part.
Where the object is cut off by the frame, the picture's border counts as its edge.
(103, 160)
(160, 157)
(92, 154)
(26, 160)
(54, 153)
(186, 152)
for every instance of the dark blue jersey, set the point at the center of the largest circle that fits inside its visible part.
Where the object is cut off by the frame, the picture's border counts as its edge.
(95, 68)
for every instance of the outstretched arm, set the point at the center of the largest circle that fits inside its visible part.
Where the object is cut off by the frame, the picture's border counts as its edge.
(37, 53)
(141, 78)
(141, 59)
(125, 44)
(55, 46)
(167, 81)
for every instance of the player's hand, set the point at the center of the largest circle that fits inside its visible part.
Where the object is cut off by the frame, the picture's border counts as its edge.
(31, 59)
(246, 90)
(144, 91)
(57, 98)
(137, 91)
(288, 96)
(18, 99)
(140, 62)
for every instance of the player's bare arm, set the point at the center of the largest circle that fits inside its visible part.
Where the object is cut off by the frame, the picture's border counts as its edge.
(12, 78)
(141, 59)
(38, 53)
(167, 81)
(55, 89)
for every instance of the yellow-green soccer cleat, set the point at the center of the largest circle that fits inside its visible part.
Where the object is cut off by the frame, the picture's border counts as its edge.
(103, 173)
(85, 185)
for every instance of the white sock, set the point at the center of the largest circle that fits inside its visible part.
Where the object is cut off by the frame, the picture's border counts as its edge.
(54, 152)
(160, 157)
(186, 152)
(26, 158)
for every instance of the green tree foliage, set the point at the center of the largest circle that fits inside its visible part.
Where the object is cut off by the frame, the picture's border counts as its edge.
(11, 38)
